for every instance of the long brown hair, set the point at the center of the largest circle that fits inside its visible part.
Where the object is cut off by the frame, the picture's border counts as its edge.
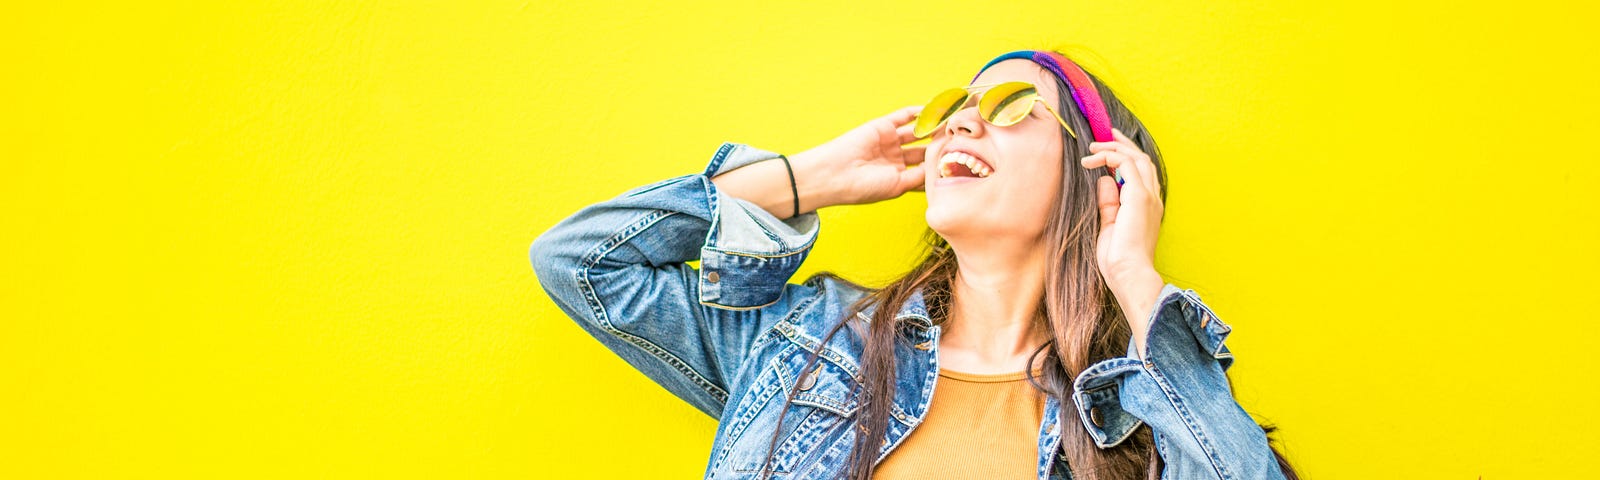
(1085, 323)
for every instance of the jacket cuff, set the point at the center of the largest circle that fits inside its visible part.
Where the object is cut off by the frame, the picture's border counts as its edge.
(749, 254)
(1188, 322)
(1097, 395)
(1182, 329)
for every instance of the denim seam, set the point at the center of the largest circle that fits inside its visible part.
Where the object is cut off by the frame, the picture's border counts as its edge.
(736, 430)
(739, 309)
(814, 423)
(601, 252)
(822, 402)
(793, 333)
(1051, 435)
(737, 253)
(778, 467)
(719, 157)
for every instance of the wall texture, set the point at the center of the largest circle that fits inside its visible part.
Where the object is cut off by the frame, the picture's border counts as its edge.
(289, 239)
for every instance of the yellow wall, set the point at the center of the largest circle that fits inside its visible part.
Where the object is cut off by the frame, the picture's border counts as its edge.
(289, 239)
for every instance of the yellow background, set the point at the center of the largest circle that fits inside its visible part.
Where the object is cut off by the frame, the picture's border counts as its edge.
(289, 239)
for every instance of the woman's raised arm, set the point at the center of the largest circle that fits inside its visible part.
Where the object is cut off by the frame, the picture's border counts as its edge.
(618, 268)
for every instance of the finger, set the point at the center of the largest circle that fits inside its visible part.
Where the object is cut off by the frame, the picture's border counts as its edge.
(1125, 146)
(1110, 159)
(891, 137)
(903, 115)
(905, 133)
(1120, 142)
(1126, 167)
(1141, 161)
(1115, 147)
(1106, 198)
(1100, 160)
(1117, 134)
(1134, 160)
(1094, 160)
(913, 155)
(912, 178)
(1147, 171)
(1119, 164)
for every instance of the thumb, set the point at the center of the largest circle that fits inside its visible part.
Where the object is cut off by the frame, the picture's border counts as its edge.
(1108, 200)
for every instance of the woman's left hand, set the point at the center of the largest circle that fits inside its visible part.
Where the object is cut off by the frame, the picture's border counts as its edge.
(1130, 221)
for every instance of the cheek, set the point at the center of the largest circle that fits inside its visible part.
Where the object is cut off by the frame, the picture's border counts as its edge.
(1031, 194)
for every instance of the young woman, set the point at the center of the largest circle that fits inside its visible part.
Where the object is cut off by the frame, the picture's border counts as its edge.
(1035, 340)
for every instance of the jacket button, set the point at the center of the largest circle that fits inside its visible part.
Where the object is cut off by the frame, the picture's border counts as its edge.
(713, 277)
(1094, 417)
(810, 380)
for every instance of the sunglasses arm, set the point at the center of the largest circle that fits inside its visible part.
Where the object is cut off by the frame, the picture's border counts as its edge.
(1059, 119)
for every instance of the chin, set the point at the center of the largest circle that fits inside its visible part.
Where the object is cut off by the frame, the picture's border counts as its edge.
(949, 221)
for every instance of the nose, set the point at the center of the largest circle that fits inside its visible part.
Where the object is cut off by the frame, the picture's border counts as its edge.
(964, 122)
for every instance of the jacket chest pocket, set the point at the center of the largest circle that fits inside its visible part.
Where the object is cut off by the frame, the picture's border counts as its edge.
(815, 434)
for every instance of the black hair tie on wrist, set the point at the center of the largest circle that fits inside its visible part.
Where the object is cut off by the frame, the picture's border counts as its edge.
(792, 187)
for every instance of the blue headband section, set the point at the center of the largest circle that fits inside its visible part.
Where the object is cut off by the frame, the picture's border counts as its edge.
(1024, 54)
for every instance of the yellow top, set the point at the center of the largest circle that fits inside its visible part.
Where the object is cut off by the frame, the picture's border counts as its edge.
(977, 426)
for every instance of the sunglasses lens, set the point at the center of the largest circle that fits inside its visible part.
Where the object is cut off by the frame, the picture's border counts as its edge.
(938, 110)
(1007, 103)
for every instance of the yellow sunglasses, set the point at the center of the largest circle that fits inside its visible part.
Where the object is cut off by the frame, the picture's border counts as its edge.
(1003, 104)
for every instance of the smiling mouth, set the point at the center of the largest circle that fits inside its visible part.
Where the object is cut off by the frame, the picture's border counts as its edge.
(961, 164)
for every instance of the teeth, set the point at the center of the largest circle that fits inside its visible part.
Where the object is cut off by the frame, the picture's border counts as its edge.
(977, 167)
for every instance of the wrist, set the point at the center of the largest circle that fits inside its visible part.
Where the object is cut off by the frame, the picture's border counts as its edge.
(1129, 273)
(1136, 294)
(1138, 281)
(767, 185)
(815, 186)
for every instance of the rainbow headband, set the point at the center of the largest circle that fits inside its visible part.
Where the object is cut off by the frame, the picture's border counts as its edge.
(1083, 92)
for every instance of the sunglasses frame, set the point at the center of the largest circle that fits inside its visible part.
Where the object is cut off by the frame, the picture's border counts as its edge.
(1031, 98)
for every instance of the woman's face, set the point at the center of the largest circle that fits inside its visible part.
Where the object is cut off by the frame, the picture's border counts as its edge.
(1023, 160)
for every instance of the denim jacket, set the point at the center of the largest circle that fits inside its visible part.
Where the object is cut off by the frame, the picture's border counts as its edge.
(731, 338)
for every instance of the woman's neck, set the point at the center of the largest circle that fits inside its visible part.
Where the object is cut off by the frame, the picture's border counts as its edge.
(993, 324)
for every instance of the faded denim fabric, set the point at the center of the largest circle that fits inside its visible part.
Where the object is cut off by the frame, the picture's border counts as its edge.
(732, 337)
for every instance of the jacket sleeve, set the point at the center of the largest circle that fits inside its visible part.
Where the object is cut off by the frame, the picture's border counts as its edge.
(1181, 391)
(618, 269)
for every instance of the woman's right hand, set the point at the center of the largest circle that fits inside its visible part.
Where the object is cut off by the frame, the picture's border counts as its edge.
(866, 164)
